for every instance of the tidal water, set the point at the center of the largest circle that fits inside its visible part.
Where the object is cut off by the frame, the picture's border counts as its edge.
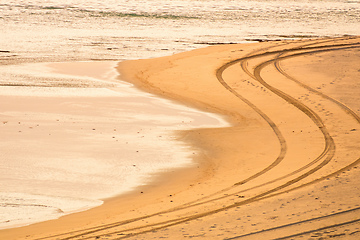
(73, 134)
(34, 33)
(67, 30)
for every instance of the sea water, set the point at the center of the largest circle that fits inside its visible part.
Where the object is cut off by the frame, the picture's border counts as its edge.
(52, 30)
(96, 138)
(33, 32)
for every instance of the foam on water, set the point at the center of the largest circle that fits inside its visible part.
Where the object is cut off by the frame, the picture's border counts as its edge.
(92, 142)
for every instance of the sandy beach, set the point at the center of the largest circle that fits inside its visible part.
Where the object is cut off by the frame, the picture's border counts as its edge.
(286, 168)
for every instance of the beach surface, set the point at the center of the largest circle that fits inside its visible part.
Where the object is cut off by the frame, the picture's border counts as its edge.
(287, 167)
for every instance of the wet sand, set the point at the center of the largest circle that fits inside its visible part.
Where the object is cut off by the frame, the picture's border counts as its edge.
(65, 149)
(287, 167)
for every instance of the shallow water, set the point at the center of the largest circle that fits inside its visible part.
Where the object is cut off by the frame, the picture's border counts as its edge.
(34, 31)
(66, 148)
(120, 29)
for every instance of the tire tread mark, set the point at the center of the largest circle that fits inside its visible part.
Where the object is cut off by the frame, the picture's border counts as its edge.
(295, 223)
(258, 197)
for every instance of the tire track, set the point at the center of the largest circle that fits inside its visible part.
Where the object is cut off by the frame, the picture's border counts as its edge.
(345, 108)
(273, 126)
(303, 222)
(321, 229)
(271, 192)
(308, 111)
(341, 105)
(243, 64)
(194, 203)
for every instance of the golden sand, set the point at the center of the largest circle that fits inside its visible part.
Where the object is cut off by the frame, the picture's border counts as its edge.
(287, 167)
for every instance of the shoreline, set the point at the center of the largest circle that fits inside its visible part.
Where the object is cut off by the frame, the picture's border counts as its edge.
(278, 155)
(90, 142)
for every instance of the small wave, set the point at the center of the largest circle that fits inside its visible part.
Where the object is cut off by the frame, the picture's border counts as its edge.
(58, 210)
(97, 13)
(138, 15)
(52, 8)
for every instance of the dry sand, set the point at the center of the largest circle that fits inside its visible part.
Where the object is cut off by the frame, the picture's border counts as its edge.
(287, 168)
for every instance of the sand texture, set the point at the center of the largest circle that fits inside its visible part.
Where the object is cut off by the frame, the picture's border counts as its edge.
(287, 168)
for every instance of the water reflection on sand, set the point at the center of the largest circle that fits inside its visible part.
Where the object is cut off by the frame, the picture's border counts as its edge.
(65, 148)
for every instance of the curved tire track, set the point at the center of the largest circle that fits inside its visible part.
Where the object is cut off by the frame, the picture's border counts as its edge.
(272, 192)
